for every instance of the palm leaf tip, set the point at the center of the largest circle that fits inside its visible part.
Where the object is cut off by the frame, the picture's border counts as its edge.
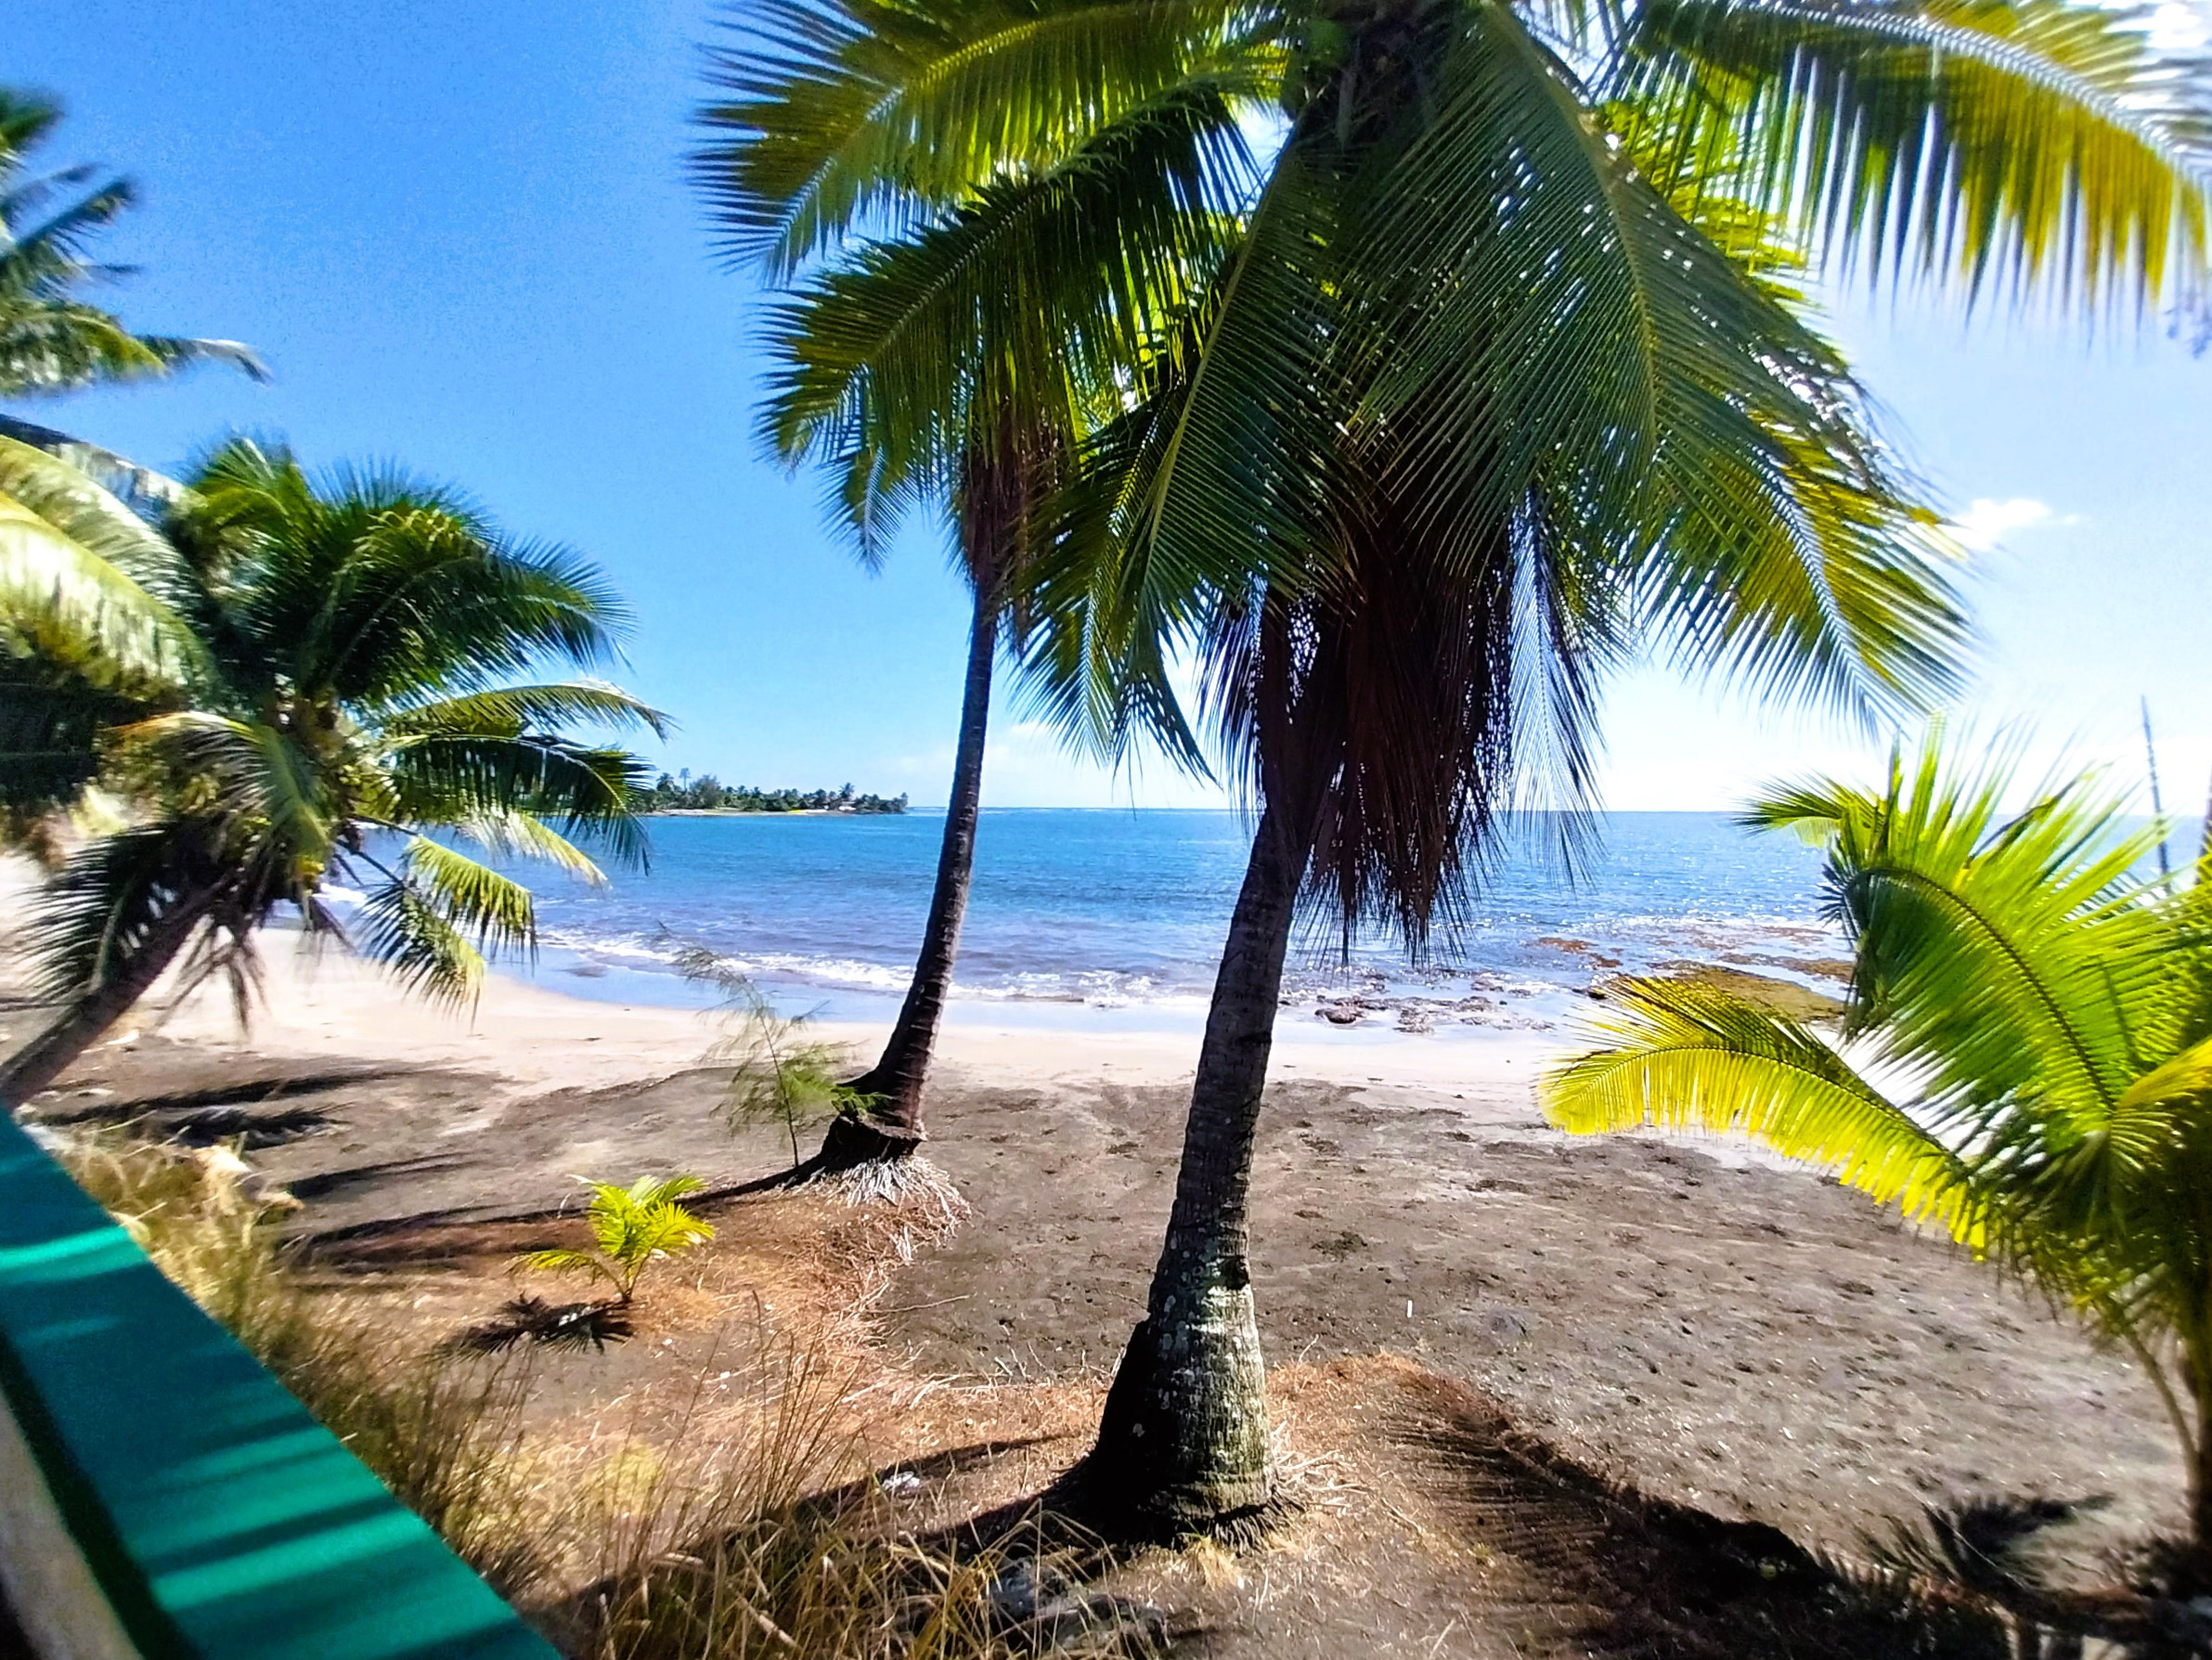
(1684, 1057)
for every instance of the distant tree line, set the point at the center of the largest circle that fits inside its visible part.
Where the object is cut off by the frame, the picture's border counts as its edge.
(709, 794)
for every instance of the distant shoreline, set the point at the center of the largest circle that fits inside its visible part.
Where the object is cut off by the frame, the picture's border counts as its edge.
(773, 812)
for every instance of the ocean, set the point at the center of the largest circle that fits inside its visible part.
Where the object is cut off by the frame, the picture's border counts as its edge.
(1116, 918)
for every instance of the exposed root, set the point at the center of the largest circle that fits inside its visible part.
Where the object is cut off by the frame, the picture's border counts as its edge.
(911, 1183)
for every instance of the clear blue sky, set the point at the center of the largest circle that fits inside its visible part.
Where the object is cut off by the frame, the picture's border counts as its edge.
(461, 235)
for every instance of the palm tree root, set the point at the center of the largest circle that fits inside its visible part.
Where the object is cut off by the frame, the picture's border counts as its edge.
(909, 1181)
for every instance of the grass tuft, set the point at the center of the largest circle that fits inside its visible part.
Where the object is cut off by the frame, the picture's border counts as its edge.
(442, 1433)
(762, 1534)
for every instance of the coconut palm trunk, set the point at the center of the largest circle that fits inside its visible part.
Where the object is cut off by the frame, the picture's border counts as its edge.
(893, 1126)
(87, 1018)
(2195, 1435)
(1183, 1438)
(992, 502)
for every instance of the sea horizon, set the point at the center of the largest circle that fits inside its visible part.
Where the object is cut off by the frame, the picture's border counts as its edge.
(1113, 918)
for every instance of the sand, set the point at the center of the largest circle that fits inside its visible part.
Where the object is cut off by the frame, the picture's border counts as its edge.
(1721, 1330)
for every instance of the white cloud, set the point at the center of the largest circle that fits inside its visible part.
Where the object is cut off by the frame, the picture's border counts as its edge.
(2180, 25)
(1985, 524)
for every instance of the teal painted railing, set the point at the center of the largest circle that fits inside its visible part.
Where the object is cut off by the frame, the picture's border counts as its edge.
(184, 1504)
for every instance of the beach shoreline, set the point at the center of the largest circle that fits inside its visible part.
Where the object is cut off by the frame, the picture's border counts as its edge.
(1691, 1316)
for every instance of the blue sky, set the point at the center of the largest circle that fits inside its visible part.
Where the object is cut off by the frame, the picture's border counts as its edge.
(461, 235)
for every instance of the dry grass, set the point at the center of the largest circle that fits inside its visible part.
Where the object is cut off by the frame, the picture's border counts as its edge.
(765, 1537)
(444, 1435)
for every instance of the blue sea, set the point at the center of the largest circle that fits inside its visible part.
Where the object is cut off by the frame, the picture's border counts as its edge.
(1116, 917)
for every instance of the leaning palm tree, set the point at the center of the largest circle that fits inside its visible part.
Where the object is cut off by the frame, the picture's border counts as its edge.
(51, 338)
(966, 360)
(1497, 371)
(290, 685)
(2041, 1013)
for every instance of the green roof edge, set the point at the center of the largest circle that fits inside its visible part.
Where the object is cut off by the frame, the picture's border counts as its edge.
(217, 1516)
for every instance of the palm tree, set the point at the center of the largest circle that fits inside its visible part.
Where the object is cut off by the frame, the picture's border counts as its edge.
(2047, 1010)
(632, 1229)
(289, 685)
(50, 339)
(967, 358)
(1501, 369)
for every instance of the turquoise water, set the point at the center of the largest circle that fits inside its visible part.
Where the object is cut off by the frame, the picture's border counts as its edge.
(1120, 915)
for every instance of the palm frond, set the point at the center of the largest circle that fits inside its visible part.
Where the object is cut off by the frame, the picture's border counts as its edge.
(1682, 1056)
(1567, 330)
(2022, 146)
(513, 834)
(75, 561)
(50, 339)
(865, 112)
(249, 777)
(496, 912)
(457, 778)
(2001, 952)
(404, 932)
(508, 712)
(383, 588)
(119, 900)
(1014, 315)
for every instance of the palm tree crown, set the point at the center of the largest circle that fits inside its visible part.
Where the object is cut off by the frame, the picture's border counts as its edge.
(1491, 369)
(295, 684)
(51, 339)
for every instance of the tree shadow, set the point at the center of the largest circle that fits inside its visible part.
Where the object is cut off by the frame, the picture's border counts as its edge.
(1615, 1572)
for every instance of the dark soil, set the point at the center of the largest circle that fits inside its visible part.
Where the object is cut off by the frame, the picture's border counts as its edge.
(1616, 1376)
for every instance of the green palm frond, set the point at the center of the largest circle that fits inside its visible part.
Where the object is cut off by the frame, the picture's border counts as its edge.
(2022, 146)
(513, 834)
(1683, 1057)
(116, 900)
(408, 934)
(380, 587)
(53, 345)
(2003, 952)
(75, 561)
(496, 912)
(508, 712)
(433, 920)
(51, 340)
(2043, 999)
(863, 113)
(55, 707)
(246, 776)
(1014, 315)
(1649, 386)
(1219, 478)
(455, 778)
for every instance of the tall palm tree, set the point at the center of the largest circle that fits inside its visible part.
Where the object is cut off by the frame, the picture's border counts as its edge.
(291, 685)
(967, 358)
(51, 339)
(2053, 1010)
(1497, 370)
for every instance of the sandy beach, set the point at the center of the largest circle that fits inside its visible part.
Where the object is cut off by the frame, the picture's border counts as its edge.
(1693, 1318)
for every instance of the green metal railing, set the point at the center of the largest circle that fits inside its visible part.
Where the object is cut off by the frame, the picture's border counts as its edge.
(160, 1495)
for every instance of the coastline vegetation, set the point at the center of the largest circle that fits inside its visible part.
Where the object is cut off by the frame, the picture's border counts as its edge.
(709, 794)
(2048, 1006)
(1493, 369)
(212, 716)
(1402, 368)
